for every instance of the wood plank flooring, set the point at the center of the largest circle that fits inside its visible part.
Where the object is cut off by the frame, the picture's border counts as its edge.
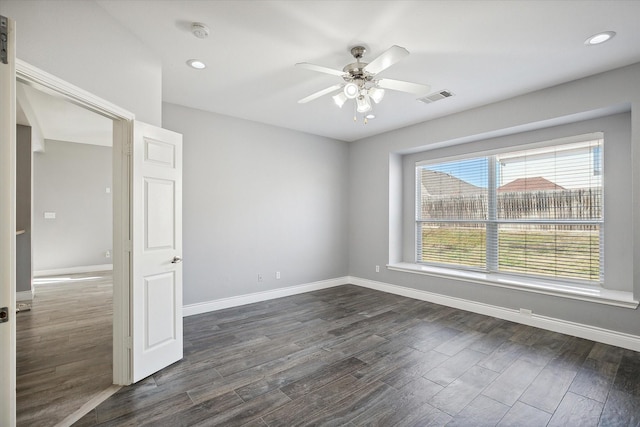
(350, 356)
(64, 347)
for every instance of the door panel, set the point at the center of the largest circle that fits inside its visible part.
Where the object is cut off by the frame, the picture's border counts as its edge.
(160, 292)
(8, 229)
(157, 248)
(160, 221)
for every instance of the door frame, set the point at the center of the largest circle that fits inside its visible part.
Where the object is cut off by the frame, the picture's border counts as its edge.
(122, 143)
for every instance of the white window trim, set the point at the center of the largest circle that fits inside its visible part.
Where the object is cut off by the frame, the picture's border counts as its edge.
(589, 293)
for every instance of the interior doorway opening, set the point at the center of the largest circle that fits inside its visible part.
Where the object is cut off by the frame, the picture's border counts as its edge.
(64, 321)
(122, 121)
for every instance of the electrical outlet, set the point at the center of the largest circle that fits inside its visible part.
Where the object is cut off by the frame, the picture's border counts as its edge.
(377, 269)
(277, 275)
(259, 277)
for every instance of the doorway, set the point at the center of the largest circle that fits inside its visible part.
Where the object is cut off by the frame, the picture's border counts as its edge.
(120, 191)
(65, 332)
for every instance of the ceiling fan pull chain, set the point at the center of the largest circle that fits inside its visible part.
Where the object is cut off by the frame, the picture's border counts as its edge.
(355, 113)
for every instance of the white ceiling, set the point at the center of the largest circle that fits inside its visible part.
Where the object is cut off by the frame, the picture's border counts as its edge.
(53, 118)
(483, 51)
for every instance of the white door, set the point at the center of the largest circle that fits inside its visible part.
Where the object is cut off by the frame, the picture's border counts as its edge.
(156, 249)
(7, 225)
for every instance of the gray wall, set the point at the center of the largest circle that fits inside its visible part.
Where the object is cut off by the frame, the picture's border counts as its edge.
(375, 227)
(23, 208)
(79, 42)
(71, 179)
(258, 199)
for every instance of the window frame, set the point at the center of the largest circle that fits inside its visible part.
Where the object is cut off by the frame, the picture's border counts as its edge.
(492, 222)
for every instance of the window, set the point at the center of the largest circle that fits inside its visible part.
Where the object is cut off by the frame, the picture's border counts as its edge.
(536, 212)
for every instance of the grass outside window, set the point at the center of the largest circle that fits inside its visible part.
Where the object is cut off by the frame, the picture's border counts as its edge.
(569, 254)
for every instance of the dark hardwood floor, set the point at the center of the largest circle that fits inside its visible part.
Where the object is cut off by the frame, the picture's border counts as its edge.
(350, 356)
(64, 347)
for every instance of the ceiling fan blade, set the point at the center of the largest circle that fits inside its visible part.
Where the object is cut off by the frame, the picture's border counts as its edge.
(386, 59)
(320, 93)
(320, 68)
(399, 85)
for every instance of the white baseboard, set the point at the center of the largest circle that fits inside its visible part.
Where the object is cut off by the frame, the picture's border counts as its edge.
(24, 295)
(73, 270)
(606, 336)
(219, 304)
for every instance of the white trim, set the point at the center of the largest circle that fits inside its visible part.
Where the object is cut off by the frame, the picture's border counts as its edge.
(121, 255)
(8, 232)
(73, 270)
(33, 76)
(219, 304)
(594, 293)
(24, 295)
(606, 336)
(96, 400)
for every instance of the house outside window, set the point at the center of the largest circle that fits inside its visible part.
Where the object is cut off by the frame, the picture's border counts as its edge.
(535, 212)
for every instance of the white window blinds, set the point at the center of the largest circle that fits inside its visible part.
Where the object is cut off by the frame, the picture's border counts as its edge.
(535, 212)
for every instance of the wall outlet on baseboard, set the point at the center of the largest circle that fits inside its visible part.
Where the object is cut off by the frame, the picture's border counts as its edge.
(526, 312)
(277, 275)
(259, 277)
(377, 269)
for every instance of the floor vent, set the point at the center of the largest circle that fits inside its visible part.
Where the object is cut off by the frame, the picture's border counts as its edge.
(436, 96)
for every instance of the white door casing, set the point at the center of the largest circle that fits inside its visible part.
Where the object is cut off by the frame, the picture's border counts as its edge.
(8, 230)
(156, 249)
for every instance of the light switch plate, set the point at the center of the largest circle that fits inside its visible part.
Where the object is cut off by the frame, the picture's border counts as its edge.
(49, 215)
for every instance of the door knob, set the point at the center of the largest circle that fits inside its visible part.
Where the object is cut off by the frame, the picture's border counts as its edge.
(176, 259)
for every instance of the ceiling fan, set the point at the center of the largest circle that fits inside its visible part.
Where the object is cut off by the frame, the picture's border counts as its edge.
(360, 81)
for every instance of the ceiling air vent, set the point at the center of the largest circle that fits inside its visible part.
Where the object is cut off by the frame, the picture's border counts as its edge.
(436, 96)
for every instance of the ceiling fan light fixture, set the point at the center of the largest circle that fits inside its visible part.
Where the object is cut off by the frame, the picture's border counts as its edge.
(376, 94)
(359, 82)
(339, 98)
(351, 90)
(363, 104)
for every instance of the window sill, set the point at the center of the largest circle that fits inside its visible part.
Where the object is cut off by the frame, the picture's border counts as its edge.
(594, 294)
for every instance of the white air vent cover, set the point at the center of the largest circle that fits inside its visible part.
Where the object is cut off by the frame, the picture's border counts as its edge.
(436, 96)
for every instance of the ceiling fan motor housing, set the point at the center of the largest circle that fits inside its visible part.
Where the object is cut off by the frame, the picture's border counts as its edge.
(356, 70)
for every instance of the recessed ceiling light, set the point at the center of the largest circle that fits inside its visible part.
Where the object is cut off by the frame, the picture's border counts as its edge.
(196, 63)
(600, 38)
